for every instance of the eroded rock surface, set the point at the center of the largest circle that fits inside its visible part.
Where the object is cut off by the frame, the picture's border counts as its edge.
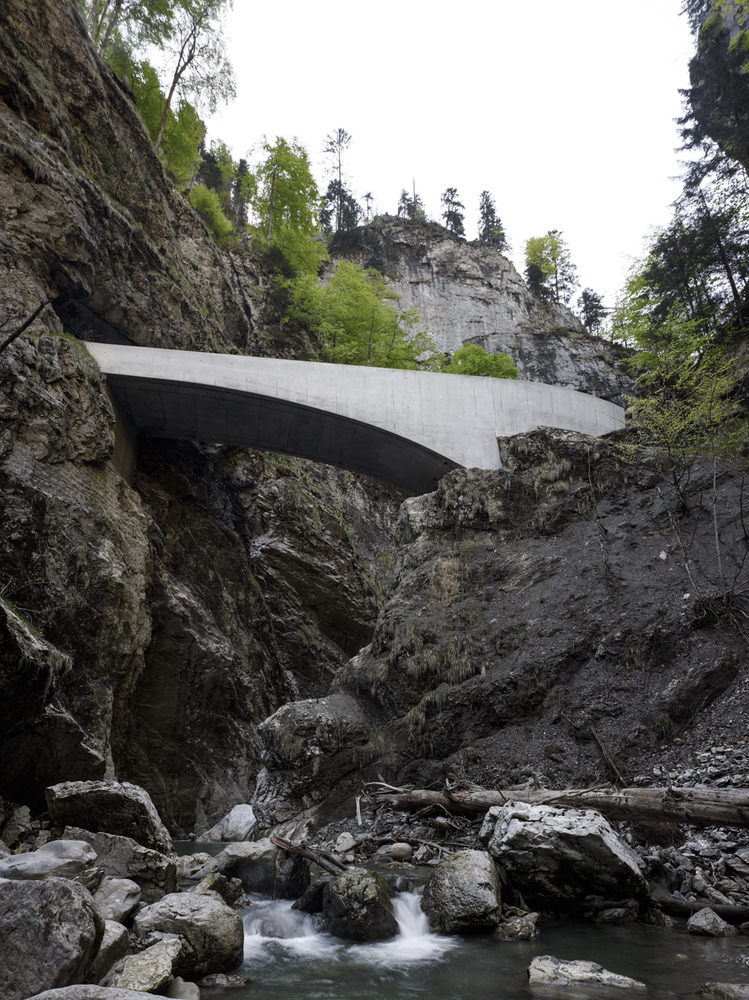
(463, 894)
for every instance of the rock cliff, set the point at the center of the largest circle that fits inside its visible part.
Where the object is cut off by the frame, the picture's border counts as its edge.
(470, 293)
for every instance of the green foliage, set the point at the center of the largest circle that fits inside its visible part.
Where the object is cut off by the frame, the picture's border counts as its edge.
(356, 324)
(684, 406)
(207, 204)
(547, 258)
(474, 360)
(285, 200)
(453, 214)
(592, 310)
(411, 207)
(339, 208)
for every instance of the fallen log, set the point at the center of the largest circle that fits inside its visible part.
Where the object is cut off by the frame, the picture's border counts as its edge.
(692, 806)
(325, 861)
(675, 907)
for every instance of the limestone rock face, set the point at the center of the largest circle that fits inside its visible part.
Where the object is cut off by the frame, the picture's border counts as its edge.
(357, 906)
(557, 857)
(109, 807)
(470, 293)
(463, 894)
(50, 931)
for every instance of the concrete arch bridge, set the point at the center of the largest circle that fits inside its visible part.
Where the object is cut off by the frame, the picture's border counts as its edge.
(408, 428)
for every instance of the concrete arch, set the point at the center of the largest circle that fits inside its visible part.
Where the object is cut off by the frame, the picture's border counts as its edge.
(408, 428)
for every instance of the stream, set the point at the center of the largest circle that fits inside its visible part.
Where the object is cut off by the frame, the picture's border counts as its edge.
(287, 958)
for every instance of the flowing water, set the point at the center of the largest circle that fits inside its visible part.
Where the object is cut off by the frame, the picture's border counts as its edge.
(287, 958)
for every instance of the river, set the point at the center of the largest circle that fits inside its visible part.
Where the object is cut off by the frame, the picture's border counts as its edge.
(287, 958)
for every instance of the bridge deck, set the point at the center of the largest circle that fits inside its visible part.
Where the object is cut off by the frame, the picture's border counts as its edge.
(408, 428)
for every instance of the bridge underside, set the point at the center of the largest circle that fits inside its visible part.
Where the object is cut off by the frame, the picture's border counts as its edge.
(195, 412)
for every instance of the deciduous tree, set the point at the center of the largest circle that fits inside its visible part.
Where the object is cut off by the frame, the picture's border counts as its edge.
(551, 255)
(472, 359)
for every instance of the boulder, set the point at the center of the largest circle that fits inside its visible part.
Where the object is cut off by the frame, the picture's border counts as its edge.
(50, 931)
(114, 945)
(109, 807)
(122, 857)
(61, 858)
(229, 889)
(463, 894)
(521, 928)
(149, 971)
(557, 857)
(117, 898)
(234, 827)
(357, 906)
(725, 991)
(179, 989)
(213, 933)
(547, 970)
(401, 852)
(263, 868)
(707, 923)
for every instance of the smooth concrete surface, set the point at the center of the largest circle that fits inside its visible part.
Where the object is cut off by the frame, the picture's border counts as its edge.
(408, 428)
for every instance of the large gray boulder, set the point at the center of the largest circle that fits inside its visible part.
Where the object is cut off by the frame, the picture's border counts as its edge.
(234, 827)
(117, 898)
(149, 971)
(261, 867)
(547, 970)
(707, 923)
(114, 945)
(463, 894)
(559, 857)
(50, 931)
(61, 858)
(357, 906)
(213, 932)
(122, 857)
(109, 807)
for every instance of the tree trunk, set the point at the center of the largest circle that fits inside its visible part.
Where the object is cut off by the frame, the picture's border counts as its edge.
(695, 806)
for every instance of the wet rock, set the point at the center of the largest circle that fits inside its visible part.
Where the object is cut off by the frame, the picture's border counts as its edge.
(725, 991)
(121, 857)
(357, 906)
(463, 894)
(261, 867)
(520, 928)
(212, 931)
(114, 807)
(117, 898)
(235, 826)
(558, 857)
(224, 981)
(50, 931)
(179, 989)
(114, 946)
(148, 971)
(545, 969)
(63, 858)
(401, 852)
(707, 923)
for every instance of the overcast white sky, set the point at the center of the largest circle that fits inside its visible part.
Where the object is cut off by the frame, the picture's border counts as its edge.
(564, 109)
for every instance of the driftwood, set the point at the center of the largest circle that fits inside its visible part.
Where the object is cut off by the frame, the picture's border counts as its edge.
(694, 806)
(325, 861)
(687, 907)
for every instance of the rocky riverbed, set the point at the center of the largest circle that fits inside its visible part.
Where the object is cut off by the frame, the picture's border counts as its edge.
(89, 911)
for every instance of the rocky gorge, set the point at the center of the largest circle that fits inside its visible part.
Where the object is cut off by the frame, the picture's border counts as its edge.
(208, 627)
